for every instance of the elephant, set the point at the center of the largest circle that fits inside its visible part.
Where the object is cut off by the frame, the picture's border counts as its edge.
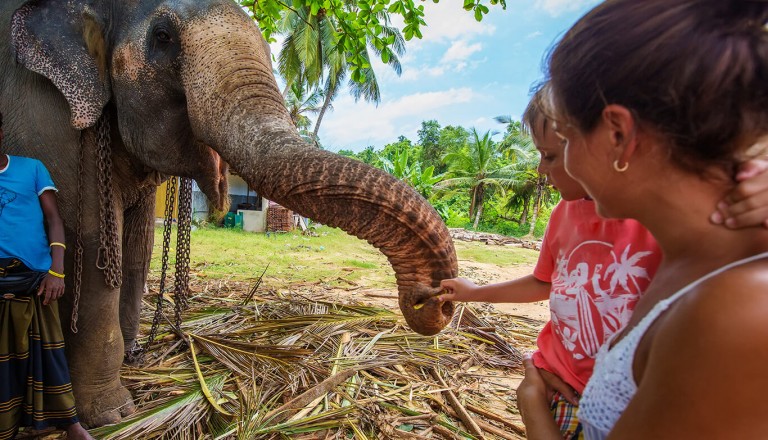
(186, 88)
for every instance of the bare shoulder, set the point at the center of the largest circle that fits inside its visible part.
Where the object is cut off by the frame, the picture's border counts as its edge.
(732, 305)
(704, 375)
(735, 299)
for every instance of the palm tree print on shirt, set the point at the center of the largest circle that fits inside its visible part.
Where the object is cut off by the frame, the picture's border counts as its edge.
(6, 196)
(593, 305)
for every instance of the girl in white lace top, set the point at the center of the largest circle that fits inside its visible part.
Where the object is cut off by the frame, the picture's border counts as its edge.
(659, 102)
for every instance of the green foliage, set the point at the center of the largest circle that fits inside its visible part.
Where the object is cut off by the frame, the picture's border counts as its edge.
(410, 171)
(432, 150)
(358, 23)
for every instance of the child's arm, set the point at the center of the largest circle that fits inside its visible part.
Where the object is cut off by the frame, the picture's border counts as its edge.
(525, 289)
(747, 204)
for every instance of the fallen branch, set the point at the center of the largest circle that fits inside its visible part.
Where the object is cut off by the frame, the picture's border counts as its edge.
(280, 414)
(488, 427)
(461, 412)
(445, 432)
(489, 415)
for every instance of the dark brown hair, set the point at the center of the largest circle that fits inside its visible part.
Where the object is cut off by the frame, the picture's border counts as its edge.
(695, 71)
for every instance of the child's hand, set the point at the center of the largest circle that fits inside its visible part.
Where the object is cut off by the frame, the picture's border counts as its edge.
(457, 289)
(533, 388)
(747, 204)
(556, 384)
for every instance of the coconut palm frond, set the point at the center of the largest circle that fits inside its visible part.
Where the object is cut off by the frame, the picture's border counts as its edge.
(285, 365)
(330, 419)
(173, 416)
(275, 363)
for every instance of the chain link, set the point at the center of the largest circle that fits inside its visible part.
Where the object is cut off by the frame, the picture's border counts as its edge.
(109, 257)
(78, 237)
(170, 201)
(181, 285)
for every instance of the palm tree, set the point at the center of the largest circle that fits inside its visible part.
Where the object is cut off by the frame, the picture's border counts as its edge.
(531, 186)
(300, 101)
(313, 50)
(478, 166)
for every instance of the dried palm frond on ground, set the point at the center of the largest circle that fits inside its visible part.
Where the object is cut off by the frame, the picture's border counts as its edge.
(294, 364)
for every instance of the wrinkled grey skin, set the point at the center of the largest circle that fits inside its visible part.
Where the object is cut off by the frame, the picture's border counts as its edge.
(188, 87)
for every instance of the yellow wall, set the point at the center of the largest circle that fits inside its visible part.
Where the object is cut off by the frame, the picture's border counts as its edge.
(162, 190)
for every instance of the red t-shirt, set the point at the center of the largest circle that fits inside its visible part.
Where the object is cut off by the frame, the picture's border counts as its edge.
(598, 268)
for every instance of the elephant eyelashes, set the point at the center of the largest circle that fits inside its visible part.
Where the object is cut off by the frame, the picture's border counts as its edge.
(162, 35)
(163, 44)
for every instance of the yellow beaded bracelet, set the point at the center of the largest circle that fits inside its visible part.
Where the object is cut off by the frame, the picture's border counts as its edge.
(56, 243)
(56, 274)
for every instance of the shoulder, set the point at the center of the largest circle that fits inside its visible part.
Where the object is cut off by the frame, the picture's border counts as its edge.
(728, 311)
(29, 162)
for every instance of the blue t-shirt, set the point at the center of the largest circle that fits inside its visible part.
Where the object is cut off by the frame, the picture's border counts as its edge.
(22, 231)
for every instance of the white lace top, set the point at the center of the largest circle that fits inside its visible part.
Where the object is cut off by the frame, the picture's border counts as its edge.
(613, 385)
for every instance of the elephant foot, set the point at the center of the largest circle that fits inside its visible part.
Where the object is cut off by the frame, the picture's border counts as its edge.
(106, 408)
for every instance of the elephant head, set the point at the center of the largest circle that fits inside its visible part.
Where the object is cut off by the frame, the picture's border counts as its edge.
(190, 85)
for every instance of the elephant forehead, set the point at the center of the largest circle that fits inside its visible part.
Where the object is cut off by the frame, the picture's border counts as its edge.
(229, 27)
(129, 61)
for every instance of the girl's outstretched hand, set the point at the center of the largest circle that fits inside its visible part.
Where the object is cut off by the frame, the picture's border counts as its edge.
(457, 289)
(747, 205)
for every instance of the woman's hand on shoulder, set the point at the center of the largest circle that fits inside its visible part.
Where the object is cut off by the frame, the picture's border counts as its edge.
(51, 289)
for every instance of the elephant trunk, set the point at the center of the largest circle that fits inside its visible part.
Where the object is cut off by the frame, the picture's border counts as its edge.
(236, 108)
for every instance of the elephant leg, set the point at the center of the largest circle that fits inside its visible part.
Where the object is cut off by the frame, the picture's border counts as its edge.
(95, 352)
(138, 237)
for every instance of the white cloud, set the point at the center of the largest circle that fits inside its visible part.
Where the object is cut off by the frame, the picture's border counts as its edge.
(449, 21)
(558, 7)
(533, 35)
(460, 50)
(359, 123)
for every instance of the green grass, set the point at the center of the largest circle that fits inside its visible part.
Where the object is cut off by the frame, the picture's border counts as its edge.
(499, 255)
(333, 258)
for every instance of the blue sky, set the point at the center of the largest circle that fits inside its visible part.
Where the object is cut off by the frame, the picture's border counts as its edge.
(461, 73)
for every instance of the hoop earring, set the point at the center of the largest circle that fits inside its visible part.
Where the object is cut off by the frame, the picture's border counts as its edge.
(618, 168)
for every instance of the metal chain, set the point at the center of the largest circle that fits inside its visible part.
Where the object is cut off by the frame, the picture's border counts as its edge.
(109, 257)
(78, 237)
(181, 285)
(170, 201)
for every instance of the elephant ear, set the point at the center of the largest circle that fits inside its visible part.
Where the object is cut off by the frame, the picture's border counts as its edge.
(66, 44)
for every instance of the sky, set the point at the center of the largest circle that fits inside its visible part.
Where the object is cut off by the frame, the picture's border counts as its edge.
(462, 72)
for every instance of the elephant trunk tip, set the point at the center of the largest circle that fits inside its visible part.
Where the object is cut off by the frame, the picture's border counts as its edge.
(423, 310)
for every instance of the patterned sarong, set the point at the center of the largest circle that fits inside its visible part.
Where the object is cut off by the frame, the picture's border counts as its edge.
(35, 388)
(565, 416)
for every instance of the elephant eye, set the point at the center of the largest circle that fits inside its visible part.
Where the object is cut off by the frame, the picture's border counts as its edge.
(162, 35)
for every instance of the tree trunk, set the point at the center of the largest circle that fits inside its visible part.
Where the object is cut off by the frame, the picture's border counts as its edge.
(473, 202)
(524, 215)
(286, 89)
(479, 214)
(479, 204)
(536, 204)
(326, 104)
